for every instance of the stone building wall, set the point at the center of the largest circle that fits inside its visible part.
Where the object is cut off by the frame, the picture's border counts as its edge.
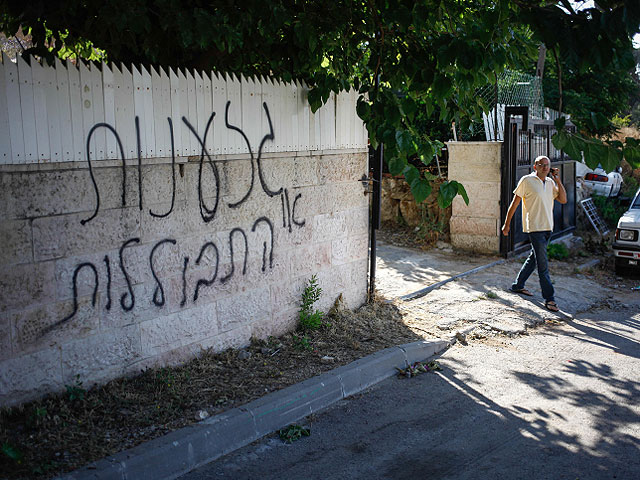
(476, 165)
(91, 289)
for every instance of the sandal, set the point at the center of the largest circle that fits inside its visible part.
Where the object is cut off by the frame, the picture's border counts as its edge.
(551, 306)
(523, 291)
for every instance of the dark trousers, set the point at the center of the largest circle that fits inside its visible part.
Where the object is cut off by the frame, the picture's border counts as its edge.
(537, 257)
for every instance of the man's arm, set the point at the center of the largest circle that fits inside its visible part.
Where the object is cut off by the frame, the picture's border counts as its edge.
(562, 193)
(512, 209)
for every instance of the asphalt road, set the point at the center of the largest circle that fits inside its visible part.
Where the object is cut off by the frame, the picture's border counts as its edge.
(560, 403)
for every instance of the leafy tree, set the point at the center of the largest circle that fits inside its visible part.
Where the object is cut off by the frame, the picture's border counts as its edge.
(405, 57)
(610, 92)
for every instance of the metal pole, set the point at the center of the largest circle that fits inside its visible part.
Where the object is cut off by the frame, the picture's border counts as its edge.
(375, 215)
(375, 207)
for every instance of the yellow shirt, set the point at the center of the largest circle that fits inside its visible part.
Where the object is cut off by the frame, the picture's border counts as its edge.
(537, 202)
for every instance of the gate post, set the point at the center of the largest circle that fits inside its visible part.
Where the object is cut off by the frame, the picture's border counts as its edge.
(476, 165)
(508, 170)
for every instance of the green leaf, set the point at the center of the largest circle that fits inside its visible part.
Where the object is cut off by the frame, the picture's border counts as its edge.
(402, 139)
(363, 109)
(441, 87)
(574, 147)
(559, 124)
(392, 113)
(409, 107)
(421, 189)
(560, 139)
(598, 121)
(632, 142)
(405, 142)
(632, 155)
(315, 100)
(595, 154)
(428, 104)
(396, 165)
(612, 159)
(463, 193)
(389, 137)
(448, 191)
(313, 42)
(12, 452)
(411, 174)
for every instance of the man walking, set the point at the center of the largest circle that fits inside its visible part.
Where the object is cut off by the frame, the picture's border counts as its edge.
(537, 192)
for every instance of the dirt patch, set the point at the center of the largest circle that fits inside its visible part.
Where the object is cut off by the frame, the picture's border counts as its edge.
(420, 237)
(60, 433)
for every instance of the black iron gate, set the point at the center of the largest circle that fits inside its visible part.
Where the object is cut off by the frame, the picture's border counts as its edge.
(524, 140)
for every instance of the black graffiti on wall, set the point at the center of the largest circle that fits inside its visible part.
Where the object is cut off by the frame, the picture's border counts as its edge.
(289, 212)
(206, 282)
(123, 299)
(173, 175)
(74, 284)
(207, 213)
(261, 225)
(226, 278)
(264, 250)
(158, 294)
(93, 178)
(128, 298)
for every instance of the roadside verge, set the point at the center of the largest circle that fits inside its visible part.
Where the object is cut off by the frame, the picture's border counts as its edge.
(183, 450)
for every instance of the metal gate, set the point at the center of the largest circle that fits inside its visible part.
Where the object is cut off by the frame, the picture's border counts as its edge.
(524, 140)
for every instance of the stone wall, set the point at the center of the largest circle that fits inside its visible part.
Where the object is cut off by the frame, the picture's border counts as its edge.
(398, 204)
(476, 165)
(91, 289)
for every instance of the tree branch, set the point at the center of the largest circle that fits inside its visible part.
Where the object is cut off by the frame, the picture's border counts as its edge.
(555, 55)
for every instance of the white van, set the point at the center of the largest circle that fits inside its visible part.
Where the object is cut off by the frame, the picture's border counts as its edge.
(626, 246)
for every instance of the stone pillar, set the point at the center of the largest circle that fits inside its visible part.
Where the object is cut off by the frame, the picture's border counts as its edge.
(476, 165)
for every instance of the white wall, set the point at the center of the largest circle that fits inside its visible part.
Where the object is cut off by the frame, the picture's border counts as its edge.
(46, 114)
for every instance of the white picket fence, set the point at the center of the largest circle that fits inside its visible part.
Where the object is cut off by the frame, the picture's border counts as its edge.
(47, 113)
(495, 132)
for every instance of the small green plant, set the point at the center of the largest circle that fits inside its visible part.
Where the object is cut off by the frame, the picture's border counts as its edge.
(37, 417)
(431, 228)
(293, 432)
(629, 187)
(310, 319)
(75, 391)
(611, 209)
(491, 295)
(596, 245)
(302, 343)
(12, 452)
(165, 377)
(557, 251)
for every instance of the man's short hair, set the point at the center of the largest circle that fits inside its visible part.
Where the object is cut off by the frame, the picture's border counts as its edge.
(540, 157)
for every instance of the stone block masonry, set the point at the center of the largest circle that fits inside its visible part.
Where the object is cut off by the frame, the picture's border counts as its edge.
(154, 213)
(157, 260)
(476, 165)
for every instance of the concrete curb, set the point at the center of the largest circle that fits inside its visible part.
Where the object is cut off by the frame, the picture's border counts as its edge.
(589, 264)
(181, 451)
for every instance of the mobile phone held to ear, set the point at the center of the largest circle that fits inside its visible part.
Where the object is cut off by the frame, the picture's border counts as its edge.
(553, 172)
